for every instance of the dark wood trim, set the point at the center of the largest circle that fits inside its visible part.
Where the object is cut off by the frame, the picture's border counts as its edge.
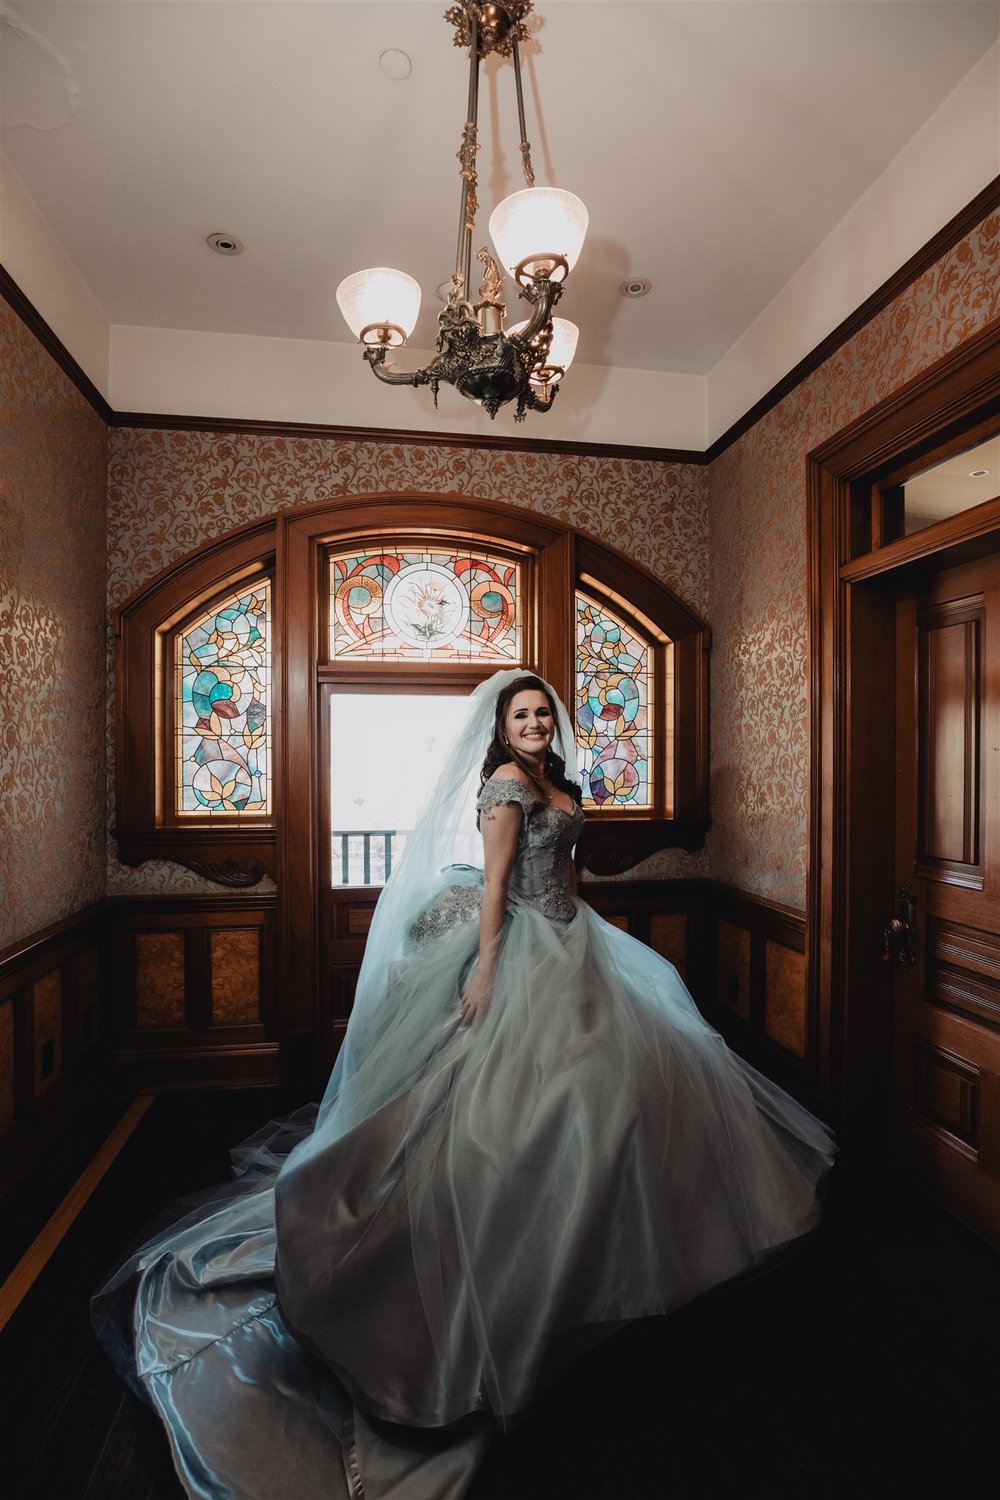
(237, 857)
(487, 440)
(964, 531)
(53, 345)
(37, 944)
(744, 904)
(939, 244)
(179, 906)
(946, 238)
(611, 846)
(852, 688)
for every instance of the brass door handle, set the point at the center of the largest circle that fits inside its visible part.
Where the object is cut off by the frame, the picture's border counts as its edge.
(900, 934)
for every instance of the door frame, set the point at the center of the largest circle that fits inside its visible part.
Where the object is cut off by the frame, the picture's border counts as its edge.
(852, 649)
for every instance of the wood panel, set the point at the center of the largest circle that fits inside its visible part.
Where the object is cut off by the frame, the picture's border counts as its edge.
(749, 974)
(55, 1067)
(732, 968)
(949, 811)
(668, 936)
(785, 1001)
(947, 820)
(945, 1095)
(196, 1002)
(963, 970)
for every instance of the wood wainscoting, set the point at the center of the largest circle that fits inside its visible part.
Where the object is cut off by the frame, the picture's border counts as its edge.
(742, 957)
(195, 1002)
(750, 981)
(157, 994)
(55, 1057)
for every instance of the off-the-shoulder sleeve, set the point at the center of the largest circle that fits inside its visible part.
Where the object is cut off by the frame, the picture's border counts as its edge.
(506, 789)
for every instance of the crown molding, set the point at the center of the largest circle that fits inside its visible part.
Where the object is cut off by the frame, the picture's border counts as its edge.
(394, 435)
(956, 229)
(53, 344)
(946, 239)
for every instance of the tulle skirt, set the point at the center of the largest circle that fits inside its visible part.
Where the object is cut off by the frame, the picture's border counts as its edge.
(474, 1207)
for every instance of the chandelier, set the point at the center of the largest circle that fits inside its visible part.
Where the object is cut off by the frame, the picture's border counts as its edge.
(537, 233)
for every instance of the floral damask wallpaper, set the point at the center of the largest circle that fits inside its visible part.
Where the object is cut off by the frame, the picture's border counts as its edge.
(171, 490)
(53, 458)
(757, 566)
(731, 540)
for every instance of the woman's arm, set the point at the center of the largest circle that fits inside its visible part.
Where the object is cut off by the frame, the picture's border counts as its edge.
(500, 826)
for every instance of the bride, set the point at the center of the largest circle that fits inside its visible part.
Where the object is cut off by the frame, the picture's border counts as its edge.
(530, 1137)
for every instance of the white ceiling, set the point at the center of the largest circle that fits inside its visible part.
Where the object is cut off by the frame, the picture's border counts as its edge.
(716, 143)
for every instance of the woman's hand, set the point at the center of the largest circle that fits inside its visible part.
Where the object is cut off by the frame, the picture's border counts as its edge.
(476, 996)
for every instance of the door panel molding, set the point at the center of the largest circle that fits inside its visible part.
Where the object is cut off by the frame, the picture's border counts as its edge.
(852, 644)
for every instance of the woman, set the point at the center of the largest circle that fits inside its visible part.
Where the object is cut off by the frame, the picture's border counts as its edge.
(530, 1137)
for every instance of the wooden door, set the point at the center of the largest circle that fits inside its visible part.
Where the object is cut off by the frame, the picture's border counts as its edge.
(946, 1010)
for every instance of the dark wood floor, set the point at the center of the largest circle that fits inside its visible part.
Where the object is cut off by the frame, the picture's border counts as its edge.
(866, 1365)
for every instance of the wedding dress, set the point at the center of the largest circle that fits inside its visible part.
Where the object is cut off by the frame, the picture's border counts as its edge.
(474, 1206)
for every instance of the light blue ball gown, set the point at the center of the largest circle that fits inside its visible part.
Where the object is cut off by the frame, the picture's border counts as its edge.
(475, 1206)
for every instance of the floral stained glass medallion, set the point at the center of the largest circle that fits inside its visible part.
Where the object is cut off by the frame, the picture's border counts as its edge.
(425, 605)
(614, 693)
(222, 712)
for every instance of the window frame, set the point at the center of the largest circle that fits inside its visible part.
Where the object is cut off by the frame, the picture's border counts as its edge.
(292, 549)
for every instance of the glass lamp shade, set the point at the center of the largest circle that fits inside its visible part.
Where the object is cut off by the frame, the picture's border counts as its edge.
(564, 339)
(537, 223)
(380, 306)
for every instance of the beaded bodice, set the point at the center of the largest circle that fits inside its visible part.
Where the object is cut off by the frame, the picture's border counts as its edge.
(541, 873)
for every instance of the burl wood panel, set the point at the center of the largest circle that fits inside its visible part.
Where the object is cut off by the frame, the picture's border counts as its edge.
(785, 997)
(621, 922)
(46, 1006)
(235, 958)
(159, 979)
(950, 790)
(7, 1101)
(732, 946)
(946, 1091)
(668, 937)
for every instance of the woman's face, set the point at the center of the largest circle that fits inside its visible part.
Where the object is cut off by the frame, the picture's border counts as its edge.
(528, 725)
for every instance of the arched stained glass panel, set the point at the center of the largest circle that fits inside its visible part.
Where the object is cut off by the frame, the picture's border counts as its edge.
(431, 604)
(614, 707)
(222, 709)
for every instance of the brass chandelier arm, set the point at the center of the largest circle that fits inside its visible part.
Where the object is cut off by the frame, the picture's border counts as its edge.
(545, 295)
(376, 358)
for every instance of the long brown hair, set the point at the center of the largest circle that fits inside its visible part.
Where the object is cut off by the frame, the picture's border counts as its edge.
(500, 751)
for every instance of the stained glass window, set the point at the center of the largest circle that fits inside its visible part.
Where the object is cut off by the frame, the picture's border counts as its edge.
(425, 605)
(614, 705)
(222, 711)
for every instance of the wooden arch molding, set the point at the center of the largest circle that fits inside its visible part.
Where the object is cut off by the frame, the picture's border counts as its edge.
(291, 547)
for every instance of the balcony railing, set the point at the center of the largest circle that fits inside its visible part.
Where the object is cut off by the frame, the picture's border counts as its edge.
(364, 856)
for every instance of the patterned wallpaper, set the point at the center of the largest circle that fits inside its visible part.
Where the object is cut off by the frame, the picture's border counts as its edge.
(53, 458)
(757, 566)
(730, 540)
(171, 490)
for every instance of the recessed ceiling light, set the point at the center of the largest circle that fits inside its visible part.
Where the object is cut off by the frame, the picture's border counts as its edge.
(978, 473)
(225, 244)
(395, 64)
(635, 286)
